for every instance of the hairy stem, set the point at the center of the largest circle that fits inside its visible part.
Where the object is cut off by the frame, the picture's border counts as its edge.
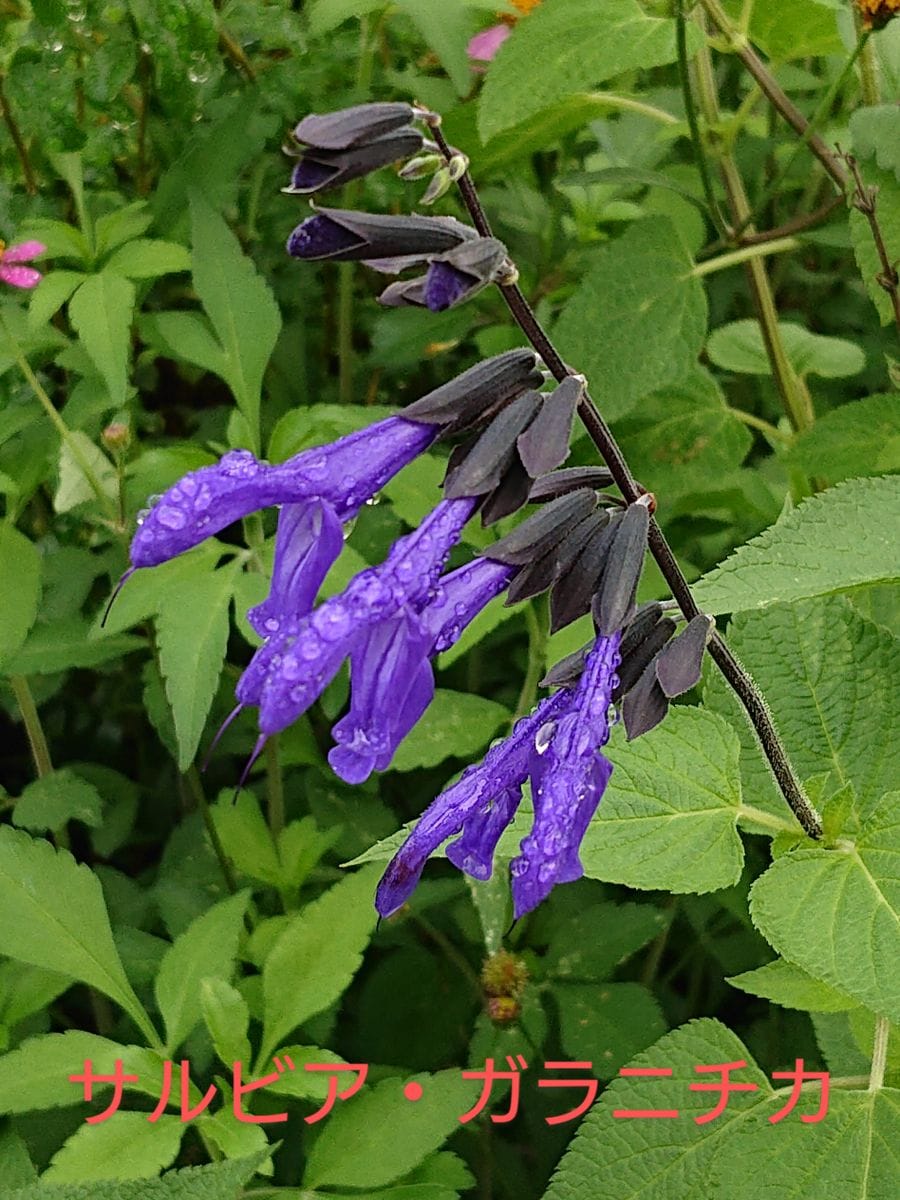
(865, 199)
(879, 1053)
(745, 254)
(602, 437)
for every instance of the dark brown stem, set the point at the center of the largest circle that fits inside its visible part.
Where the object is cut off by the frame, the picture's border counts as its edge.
(795, 225)
(865, 199)
(15, 133)
(606, 444)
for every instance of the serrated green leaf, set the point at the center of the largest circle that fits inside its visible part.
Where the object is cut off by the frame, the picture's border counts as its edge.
(566, 47)
(148, 258)
(791, 29)
(206, 950)
(637, 320)
(20, 587)
(445, 30)
(187, 336)
(876, 134)
(36, 1074)
(67, 643)
(54, 916)
(620, 1158)
(832, 680)
(127, 1147)
(739, 347)
(352, 1151)
(326, 15)
(15, 1161)
(316, 956)
(145, 592)
(788, 985)
(74, 487)
(219, 1181)
(840, 539)
(238, 302)
(192, 631)
(859, 438)
(669, 815)
(121, 225)
(25, 990)
(836, 913)
(100, 312)
(246, 838)
(455, 723)
(303, 1084)
(56, 798)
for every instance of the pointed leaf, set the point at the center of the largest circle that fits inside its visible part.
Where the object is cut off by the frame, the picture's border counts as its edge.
(101, 312)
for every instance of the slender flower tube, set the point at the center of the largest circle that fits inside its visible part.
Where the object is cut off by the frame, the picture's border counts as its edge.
(558, 746)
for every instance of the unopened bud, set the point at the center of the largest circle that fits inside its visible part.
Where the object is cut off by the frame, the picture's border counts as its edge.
(116, 437)
(421, 166)
(504, 975)
(441, 183)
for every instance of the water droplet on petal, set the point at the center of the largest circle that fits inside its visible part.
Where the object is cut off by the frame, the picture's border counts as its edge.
(171, 518)
(544, 737)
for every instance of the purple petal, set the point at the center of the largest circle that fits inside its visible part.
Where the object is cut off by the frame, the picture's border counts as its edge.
(445, 286)
(459, 598)
(319, 236)
(502, 769)
(484, 46)
(474, 851)
(308, 541)
(309, 175)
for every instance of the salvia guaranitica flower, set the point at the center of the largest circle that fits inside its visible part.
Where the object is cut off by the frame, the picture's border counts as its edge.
(453, 277)
(345, 235)
(558, 747)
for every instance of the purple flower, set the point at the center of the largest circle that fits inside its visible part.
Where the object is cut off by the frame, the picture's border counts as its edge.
(558, 746)
(341, 476)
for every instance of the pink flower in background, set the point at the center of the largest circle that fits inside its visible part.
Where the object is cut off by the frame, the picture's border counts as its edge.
(483, 46)
(11, 256)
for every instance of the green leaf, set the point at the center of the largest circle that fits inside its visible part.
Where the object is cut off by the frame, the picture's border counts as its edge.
(316, 956)
(125, 1147)
(637, 321)
(683, 436)
(887, 210)
(192, 630)
(859, 438)
(303, 1084)
(227, 1018)
(445, 30)
(51, 294)
(566, 47)
(876, 134)
(836, 913)
(352, 1150)
(832, 681)
(187, 336)
(20, 588)
(148, 258)
(594, 942)
(36, 1074)
(238, 302)
(840, 539)
(101, 312)
(739, 347)
(246, 838)
(669, 816)
(54, 916)
(54, 799)
(219, 1181)
(616, 1158)
(147, 591)
(61, 645)
(74, 487)
(206, 950)
(121, 225)
(25, 990)
(326, 15)
(15, 1161)
(454, 724)
(791, 29)
(786, 984)
(607, 1024)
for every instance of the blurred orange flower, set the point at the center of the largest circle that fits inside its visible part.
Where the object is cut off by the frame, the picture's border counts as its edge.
(875, 13)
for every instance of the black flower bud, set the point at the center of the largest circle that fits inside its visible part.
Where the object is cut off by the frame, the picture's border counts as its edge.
(356, 126)
(347, 235)
(318, 170)
(463, 401)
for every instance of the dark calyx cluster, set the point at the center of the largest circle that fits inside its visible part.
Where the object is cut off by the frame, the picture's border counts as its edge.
(336, 147)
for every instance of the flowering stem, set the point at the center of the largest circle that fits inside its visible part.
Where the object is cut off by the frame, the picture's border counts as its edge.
(275, 787)
(33, 727)
(601, 435)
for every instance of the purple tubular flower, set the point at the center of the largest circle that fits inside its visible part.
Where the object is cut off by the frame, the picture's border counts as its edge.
(459, 598)
(464, 808)
(318, 170)
(308, 653)
(444, 286)
(568, 778)
(344, 475)
(349, 235)
(558, 746)
(359, 125)
(308, 541)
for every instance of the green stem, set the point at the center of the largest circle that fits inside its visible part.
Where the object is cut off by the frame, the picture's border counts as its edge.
(18, 141)
(868, 65)
(275, 785)
(774, 435)
(745, 254)
(879, 1053)
(629, 104)
(33, 727)
(690, 109)
(538, 628)
(346, 383)
(62, 428)
(196, 788)
(760, 817)
(795, 396)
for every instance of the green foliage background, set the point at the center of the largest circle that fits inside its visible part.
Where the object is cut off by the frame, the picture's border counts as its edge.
(145, 917)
